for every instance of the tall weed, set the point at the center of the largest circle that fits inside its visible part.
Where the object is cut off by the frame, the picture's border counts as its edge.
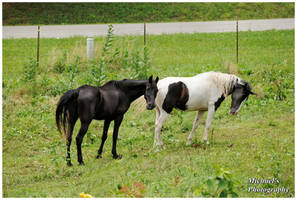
(30, 70)
(96, 72)
(60, 65)
(29, 75)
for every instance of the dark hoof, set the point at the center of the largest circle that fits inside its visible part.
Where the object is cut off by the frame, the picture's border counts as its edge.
(81, 163)
(98, 156)
(69, 164)
(117, 157)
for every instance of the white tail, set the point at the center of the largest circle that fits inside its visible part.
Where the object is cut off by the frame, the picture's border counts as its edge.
(139, 105)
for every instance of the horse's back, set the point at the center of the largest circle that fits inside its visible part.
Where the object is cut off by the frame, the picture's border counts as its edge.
(200, 88)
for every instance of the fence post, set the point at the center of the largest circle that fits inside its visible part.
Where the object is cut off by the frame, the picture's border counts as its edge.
(38, 36)
(90, 48)
(236, 39)
(144, 34)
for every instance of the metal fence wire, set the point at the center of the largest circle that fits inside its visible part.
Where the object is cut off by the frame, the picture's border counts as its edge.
(146, 30)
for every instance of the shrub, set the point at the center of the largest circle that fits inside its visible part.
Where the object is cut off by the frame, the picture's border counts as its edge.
(73, 70)
(30, 69)
(96, 72)
(108, 40)
(139, 65)
(222, 185)
(60, 65)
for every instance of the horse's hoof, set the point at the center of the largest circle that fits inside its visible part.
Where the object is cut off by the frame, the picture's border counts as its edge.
(81, 163)
(69, 164)
(118, 157)
(206, 142)
(159, 147)
(98, 156)
(189, 143)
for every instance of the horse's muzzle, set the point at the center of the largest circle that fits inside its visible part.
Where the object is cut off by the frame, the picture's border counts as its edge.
(233, 112)
(150, 106)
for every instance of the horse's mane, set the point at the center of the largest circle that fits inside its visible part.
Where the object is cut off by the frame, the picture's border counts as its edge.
(113, 83)
(124, 82)
(225, 82)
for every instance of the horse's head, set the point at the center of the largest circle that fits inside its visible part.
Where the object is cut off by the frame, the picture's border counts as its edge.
(151, 92)
(240, 94)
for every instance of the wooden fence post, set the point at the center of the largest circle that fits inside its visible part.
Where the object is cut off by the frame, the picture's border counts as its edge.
(236, 39)
(38, 36)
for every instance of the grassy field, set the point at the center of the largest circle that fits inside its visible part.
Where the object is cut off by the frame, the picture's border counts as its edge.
(258, 143)
(90, 13)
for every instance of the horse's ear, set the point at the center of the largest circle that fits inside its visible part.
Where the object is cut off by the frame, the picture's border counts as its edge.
(150, 79)
(157, 79)
(242, 82)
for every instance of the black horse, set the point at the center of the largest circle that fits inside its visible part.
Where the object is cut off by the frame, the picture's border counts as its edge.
(108, 102)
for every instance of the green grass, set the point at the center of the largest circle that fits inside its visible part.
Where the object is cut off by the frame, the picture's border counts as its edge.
(90, 13)
(259, 142)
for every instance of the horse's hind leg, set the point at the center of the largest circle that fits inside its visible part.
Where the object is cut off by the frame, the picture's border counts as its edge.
(69, 139)
(79, 138)
(117, 123)
(104, 136)
(71, 118)
(195, 124)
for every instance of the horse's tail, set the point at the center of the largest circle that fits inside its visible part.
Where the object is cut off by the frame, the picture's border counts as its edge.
(66, 110)
(138, 106)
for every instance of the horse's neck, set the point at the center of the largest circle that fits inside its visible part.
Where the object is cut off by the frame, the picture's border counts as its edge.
(134, 88)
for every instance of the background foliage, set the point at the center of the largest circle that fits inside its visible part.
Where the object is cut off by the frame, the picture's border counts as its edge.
(90, 13)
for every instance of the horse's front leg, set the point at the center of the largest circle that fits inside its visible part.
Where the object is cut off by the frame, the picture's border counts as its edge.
(159, 123)
(157, 114)
(211, 111)
(117, 124)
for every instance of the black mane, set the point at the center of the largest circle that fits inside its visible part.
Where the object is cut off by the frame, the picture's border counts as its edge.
(125, 82)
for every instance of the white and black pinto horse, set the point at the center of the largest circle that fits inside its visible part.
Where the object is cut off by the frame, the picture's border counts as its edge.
(203, 92)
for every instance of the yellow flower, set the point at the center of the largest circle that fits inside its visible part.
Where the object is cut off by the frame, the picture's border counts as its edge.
(84, 195)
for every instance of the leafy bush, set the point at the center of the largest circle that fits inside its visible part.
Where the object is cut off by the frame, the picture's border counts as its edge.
(111, 56)
(138, 66)
(222, 185)
(73, 70)
(60, 65)
(108, 41)
(280, 84)
(30, 69)
(29, 76)
(96, 72)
